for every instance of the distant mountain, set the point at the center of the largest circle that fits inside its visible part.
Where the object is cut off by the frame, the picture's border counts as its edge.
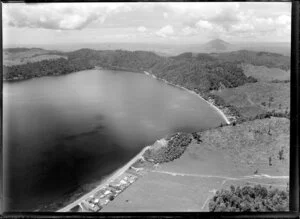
(217, 45)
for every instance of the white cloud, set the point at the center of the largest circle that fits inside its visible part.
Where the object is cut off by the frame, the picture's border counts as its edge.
(188, 31)
(194, 20)
(242, 27)
(142, 29)
(61, 15)
(165, 31)
(283, 20)
(204, 25)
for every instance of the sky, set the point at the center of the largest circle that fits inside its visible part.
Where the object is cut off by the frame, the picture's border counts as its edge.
(160, 22)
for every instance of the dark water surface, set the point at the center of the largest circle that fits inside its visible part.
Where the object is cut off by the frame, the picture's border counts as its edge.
(63, 132)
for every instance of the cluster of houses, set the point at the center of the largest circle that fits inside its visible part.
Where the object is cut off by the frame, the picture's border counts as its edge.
(106, 194)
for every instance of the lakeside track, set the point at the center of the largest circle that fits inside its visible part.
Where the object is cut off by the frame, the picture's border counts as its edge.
(105, 183)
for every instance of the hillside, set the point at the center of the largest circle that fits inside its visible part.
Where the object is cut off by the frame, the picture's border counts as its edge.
(217, 45)
(200, 72)
(58, 66)
(263, 73)
(270, 60)
(19, 56)
(261, 98)
(201, 76)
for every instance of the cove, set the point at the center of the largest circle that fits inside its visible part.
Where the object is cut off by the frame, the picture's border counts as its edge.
(62, 133)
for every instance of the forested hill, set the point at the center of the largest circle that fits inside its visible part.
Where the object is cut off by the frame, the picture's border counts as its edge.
(201, 71)
(117, 59)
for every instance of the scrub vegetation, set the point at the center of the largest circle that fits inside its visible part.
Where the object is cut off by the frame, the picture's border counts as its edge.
(248, 198)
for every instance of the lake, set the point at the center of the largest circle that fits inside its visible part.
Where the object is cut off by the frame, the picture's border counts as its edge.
(62, 133)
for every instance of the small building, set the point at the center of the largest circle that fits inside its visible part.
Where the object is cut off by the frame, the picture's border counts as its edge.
(90, 206)
(107, 192)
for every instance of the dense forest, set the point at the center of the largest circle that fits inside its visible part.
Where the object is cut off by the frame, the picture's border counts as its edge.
(201, 72)
(202, 76)
(43, 68)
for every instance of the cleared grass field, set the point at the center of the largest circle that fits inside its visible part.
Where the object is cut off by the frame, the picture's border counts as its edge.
(230, 155)
(257, 98)
(162, 192)
(250, 144)
(31, 55)
(263, 73)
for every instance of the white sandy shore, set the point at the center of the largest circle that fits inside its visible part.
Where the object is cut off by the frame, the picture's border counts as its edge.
(194, 93)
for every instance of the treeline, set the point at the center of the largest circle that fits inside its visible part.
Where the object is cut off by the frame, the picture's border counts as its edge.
(175, 148)
(44, 68)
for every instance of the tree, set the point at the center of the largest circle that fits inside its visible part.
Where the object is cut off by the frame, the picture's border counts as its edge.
(270, 100)
(247, 198)
(280, 154)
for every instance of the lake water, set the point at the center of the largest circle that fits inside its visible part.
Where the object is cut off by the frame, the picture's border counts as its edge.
(60, 133)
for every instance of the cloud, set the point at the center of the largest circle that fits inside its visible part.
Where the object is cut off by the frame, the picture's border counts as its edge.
(231, 21)
(63, 16)
(283, 20)
(197, 20)
(188, 31)
(225, 18)
(204, 25)
(242, 27)
(165, 31)
(142, 29)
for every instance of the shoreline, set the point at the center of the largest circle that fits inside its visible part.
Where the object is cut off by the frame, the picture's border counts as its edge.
(194, 93)
(117, 173)
(105, 182)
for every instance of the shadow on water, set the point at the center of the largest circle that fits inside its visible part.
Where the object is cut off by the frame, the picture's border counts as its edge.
(56, 175)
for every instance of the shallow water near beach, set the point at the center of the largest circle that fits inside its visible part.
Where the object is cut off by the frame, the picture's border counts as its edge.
(61, 133)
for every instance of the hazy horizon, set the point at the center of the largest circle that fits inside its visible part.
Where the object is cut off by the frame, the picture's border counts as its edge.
(184, 23)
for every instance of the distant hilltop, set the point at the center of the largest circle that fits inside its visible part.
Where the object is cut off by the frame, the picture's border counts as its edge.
(217, 44)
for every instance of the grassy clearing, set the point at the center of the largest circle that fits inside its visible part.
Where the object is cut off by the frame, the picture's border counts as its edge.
(251, 144)
(257, 98)
(162, 192)
(263, 73)
(27, 56)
